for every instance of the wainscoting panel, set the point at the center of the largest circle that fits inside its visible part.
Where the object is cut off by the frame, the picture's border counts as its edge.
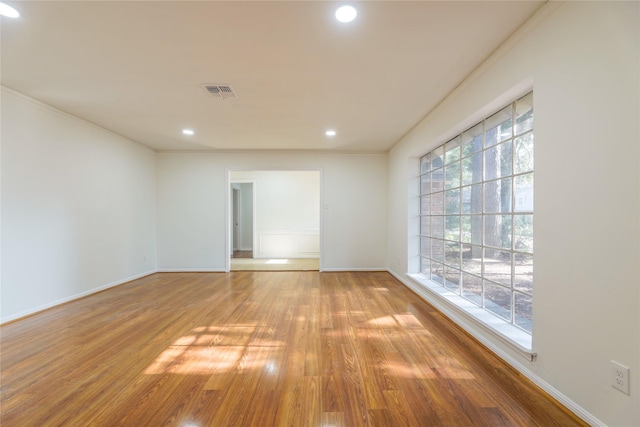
(288, 244)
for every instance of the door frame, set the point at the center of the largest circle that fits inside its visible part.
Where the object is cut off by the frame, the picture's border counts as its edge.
(230, 191)
(229, 202)
(235, 219)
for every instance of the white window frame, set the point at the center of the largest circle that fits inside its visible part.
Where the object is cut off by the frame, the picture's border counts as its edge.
(510, 326)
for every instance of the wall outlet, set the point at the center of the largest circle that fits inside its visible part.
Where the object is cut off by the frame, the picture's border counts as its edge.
(620, 377)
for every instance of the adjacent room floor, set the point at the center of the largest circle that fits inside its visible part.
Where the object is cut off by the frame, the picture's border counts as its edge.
(243, 260)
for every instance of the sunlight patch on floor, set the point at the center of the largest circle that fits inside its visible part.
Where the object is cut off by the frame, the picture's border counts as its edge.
(219, 349)
(275, 264)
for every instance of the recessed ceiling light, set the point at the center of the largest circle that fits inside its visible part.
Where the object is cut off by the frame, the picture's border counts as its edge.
(330, 133)
(8, 11)
(346, 13)
(187, 131)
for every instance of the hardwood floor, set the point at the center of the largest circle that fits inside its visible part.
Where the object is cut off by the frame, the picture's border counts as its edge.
(258, 349)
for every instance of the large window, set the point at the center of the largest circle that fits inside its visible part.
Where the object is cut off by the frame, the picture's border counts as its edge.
(476, 214)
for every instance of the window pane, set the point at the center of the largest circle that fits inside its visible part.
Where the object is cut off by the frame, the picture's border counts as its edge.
(472, 259)
(437, 250)
(497, 266)
(425, 163)
(437, 203)
(452, 281)
(472, 140)
(425, 183)
(437, 227)
(437, 159)
(497, 299)
(425, 246)
(523, 233)
(498, 127)
(425, 204)
(523, 278)
(466, 200)
(452, 150)
(506, 158)
(472, 199)
(452, 202)
(472, 169)
(452, 173)
(523, 158)
(523, 311)
(524, 114)
(497, 196)
(452, 228)
(524, 192)
(425, 266)
(425, 225)
(452, 254)
(437, 272)
(437, 180)
(497, 231)
(472, 288)
(476, 230)
(465, 229)
(497, 161)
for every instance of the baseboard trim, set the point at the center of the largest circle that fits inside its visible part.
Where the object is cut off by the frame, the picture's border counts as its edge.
(38, 309)
(572, 406)
(192, 270)
(344, 270)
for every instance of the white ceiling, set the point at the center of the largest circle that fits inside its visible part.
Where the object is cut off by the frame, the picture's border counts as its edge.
(137, 67)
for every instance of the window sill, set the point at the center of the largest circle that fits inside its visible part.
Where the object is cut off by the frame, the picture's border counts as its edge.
(509, 334)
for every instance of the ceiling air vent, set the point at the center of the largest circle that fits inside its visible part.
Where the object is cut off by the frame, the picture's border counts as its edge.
(220, 91)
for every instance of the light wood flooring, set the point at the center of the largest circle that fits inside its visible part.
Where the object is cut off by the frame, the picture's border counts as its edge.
(264, 264)
(258, 349)
(244, 261)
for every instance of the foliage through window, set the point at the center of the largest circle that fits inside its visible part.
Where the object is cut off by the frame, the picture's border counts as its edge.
(476, 214)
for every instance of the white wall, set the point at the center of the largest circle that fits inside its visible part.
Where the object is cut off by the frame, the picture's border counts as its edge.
(192, 206)
(287, 212)
(78, 207)
(582, 60)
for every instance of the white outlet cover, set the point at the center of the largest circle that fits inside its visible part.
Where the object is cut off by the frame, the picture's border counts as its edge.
(620, 377)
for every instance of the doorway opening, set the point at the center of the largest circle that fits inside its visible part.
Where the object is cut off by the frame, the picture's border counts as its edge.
(242, 223)
(274, 220)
